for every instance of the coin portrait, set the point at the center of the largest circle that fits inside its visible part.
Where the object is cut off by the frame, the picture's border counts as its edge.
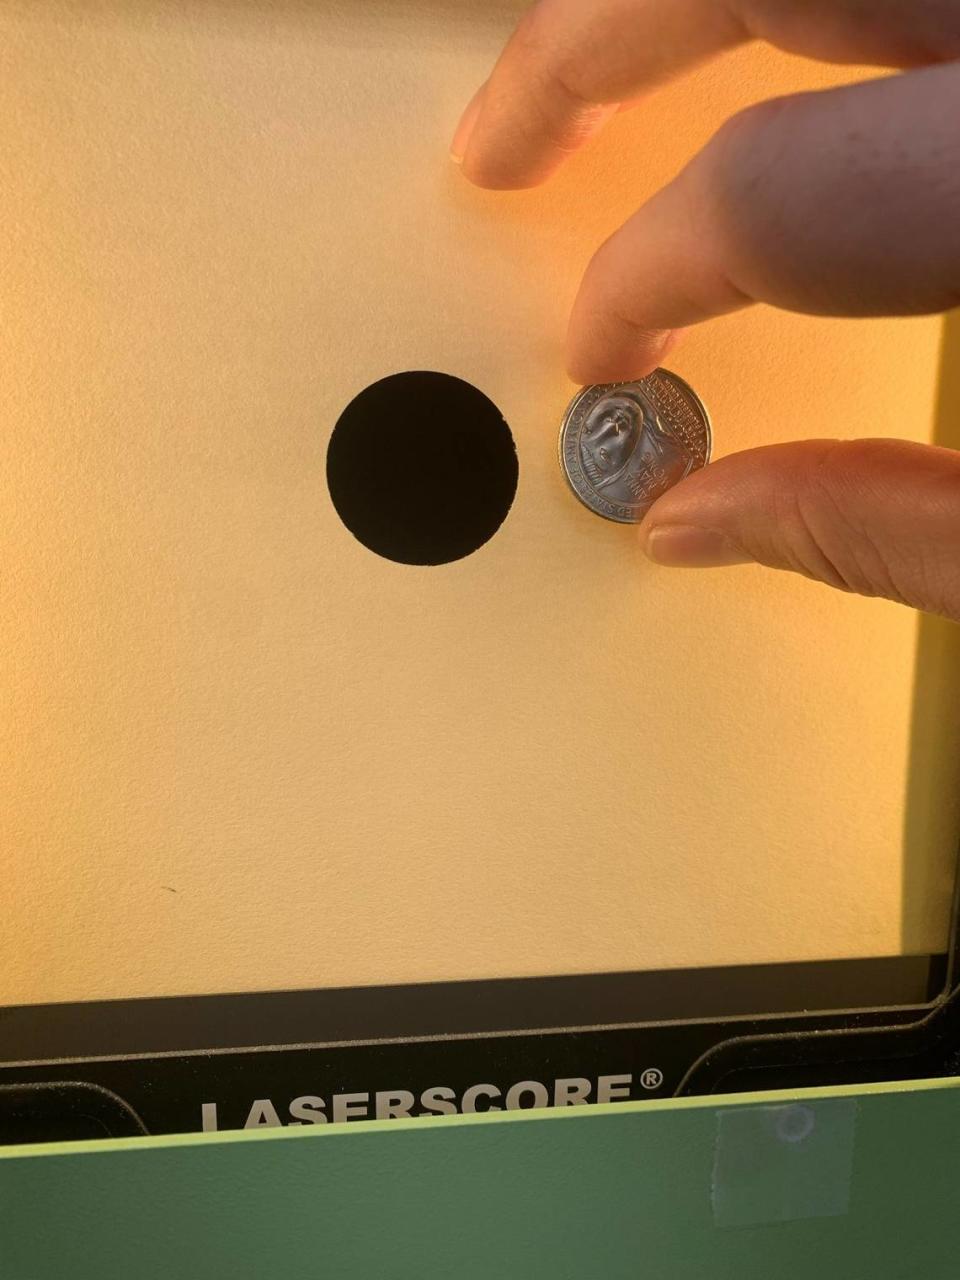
(623, 445)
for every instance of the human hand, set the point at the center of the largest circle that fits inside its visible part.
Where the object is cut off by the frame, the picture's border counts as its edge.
(862, 219)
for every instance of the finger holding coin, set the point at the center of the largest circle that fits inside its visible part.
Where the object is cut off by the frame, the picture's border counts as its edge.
(623, 445)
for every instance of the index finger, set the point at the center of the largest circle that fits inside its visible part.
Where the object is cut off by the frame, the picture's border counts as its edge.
(570, 63)
(566, 70)
(862, 221)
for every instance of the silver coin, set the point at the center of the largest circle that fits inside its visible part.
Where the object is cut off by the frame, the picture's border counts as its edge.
(623, 444)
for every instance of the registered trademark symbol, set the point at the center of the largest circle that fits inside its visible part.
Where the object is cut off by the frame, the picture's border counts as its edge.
(652, 1078)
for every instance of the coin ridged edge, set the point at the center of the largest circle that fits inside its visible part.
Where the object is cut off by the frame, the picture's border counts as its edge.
(598, 391)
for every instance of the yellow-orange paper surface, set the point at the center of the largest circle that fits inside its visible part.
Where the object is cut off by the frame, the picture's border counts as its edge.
(240, 751)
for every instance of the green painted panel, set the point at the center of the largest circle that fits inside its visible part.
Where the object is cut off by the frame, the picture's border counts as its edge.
(845, 1183)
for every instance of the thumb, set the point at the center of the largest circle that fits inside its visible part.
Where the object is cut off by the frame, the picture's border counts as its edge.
(877, 517)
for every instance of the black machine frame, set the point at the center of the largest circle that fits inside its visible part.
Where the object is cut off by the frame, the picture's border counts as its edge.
(182, 1063)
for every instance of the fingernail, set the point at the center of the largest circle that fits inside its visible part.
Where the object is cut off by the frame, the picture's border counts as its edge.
(590, 359)
(687, 546)
(461, 139)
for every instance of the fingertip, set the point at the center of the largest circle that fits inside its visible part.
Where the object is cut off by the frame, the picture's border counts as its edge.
(491, 172)
(600, 351)
(689, 546)
(490, 165)
(495, 162)
(465, 128)
(498, 149)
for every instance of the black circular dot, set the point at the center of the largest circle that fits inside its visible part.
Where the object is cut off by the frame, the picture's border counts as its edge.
(422, 468)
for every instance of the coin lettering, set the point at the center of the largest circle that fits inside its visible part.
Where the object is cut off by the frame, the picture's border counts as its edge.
(623, 445)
